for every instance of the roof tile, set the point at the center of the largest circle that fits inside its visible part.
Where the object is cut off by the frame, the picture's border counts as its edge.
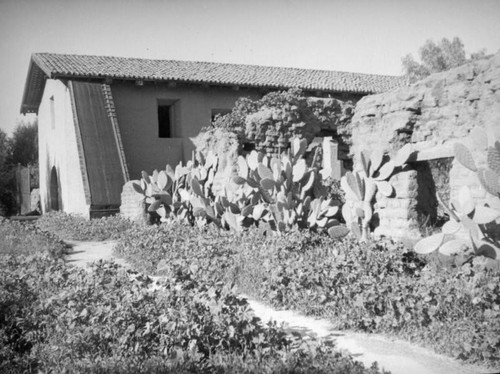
(63, 65)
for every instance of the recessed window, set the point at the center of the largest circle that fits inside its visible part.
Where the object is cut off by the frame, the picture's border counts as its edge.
(165, 121)
(166, 118)
(222, 112)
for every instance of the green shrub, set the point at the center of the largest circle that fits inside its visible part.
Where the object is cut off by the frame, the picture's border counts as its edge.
(23, 239)
(72, 227)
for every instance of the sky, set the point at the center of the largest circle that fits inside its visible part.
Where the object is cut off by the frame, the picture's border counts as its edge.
(362, 36)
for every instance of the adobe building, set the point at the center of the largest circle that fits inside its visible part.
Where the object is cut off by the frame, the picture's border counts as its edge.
(102, 120)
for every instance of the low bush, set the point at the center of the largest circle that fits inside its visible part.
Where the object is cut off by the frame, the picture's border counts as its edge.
(72, 227)
(22, 239)
(381, 288)
(57, 318)
(161, 250)
(374, 287)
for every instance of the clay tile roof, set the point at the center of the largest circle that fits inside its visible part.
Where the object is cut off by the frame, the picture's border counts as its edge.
(80, 66)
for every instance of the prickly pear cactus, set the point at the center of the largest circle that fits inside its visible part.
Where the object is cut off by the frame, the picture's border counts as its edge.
(184, 193)
(362, 185)
(474, 228)
(281, 191)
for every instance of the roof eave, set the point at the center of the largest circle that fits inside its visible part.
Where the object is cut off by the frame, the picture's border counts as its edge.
(33, 88)
(210, 83)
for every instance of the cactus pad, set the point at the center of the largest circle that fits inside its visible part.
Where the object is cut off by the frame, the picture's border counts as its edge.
(494, 158)
(429, 244)
(465, 200)
(385, 171)
(490, 181)
(338, 231)
(264, 172)
(196, 187)
(403, 155)
(451, 227)
(377, 157)
(299, 170)
(352, 182)
(242, 167)
(137, 187)
(484, 215)
(385, 188)
(464, 157)
(365, 163)
(453, 247)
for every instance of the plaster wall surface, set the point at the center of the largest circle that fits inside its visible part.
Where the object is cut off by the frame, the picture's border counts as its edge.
(58, 148)
(136, 111)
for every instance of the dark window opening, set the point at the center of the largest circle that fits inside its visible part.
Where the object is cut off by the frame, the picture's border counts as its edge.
(165, 120)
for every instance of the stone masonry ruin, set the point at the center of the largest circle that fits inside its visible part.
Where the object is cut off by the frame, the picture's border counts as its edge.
(432, 115)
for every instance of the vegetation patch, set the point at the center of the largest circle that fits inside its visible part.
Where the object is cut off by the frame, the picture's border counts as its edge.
(58, 318)
(73, 227)
(23, 239)
(373, 287)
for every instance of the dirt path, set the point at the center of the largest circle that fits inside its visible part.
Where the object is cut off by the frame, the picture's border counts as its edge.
(397, 356)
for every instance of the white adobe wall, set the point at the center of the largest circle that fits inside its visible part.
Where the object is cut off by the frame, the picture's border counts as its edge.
(58, 147)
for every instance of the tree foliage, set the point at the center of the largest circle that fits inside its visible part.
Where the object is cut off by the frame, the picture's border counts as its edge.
(20, 148)
(4, 149)
(24, 144)
(6, 196)
(436, 57)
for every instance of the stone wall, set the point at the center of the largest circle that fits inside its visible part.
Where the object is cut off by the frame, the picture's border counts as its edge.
(432, 115)
(441, 107)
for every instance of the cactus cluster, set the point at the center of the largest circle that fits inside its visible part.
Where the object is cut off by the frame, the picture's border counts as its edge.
(361, 186)
(281, 191)
(473, 228)
(184, 193)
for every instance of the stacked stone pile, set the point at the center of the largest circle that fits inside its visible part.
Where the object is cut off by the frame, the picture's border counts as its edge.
(398, 215)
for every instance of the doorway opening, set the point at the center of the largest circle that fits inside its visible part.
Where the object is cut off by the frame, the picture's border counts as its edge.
(54, 190)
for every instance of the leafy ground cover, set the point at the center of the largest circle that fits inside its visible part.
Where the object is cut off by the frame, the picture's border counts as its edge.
(72, 227)
(58, 318)
(19, 239)
(375, 287)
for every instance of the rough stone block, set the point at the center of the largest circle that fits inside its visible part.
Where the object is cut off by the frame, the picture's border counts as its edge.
(35, 199)
(132, 206)
(405, 184)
